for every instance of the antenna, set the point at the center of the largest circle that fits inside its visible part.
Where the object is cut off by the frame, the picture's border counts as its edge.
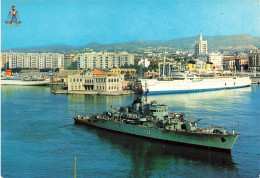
(146, 92)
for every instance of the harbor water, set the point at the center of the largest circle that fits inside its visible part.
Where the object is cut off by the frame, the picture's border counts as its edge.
(39, 138)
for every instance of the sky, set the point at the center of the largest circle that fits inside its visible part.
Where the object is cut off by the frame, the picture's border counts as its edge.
(79, 22)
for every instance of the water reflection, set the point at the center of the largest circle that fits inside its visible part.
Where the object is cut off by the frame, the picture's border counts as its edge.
(147, 155)
(191, 100)
(97, 104)
(11, 90)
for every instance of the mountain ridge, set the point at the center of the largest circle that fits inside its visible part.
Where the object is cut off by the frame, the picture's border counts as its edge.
(218, 42)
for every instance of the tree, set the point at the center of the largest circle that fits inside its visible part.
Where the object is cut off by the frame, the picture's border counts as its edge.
(125, 65)
(70, 67)
(153, 66)
(127, 75)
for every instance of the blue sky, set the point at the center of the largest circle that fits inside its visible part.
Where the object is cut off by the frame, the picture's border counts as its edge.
(78, 22)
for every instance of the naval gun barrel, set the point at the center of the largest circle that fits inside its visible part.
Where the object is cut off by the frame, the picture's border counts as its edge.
(196, 121)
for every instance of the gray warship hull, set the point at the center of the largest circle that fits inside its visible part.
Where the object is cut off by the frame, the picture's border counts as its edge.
(223, 142)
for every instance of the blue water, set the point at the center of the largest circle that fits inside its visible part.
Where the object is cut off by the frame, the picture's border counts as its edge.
(39, 138)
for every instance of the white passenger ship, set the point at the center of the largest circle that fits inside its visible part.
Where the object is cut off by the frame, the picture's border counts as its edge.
(23, 81)
(193, 83)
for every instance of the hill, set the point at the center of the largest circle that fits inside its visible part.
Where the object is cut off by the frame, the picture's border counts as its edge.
(221, 42)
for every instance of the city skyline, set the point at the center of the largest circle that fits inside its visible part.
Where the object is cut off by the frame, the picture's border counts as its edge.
(77, 23)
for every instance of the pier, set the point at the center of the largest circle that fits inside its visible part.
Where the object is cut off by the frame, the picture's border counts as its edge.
(109, 93)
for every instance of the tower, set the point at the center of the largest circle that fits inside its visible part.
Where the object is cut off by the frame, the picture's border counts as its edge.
(200, 36)
(200, 47)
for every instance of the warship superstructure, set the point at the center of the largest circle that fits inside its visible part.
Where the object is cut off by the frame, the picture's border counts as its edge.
(152, 120)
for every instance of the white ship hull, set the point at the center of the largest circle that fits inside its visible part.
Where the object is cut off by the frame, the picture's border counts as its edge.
(28, 83)
(156, 86)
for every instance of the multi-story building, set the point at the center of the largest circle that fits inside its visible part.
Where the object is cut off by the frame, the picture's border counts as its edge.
(229, 62)
(144, 62)
(104, 60)
(200, 47)
(241, 63)
(216, 59)
(69, 59)
(35, 60)
(3, 61)
(62, 76)
(254, 60)
(96, 80)
(125, 71)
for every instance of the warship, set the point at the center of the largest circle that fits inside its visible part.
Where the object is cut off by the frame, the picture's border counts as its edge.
(152, 120)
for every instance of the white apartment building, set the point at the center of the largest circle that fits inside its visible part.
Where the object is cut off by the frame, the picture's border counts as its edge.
(201, 46)
(144, 62)
(216, 59)
(36, 60)
(104, 60)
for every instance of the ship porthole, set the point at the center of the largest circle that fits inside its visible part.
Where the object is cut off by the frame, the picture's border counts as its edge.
(223, 139)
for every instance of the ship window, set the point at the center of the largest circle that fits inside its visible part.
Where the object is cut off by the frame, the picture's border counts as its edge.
(234, 83)
(225, 84)
(223, 139)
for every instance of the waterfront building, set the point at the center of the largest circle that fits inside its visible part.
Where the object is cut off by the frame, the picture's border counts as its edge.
(3, 61)
(125, 71)
(35, 60)
(200, 47)
(144, 63)
(229, 62)
(70, 72)
(105, 60)
(96, 80)
(254, 60)
(62, 75)
(241, 63)
(235, 63)
(216, 59)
